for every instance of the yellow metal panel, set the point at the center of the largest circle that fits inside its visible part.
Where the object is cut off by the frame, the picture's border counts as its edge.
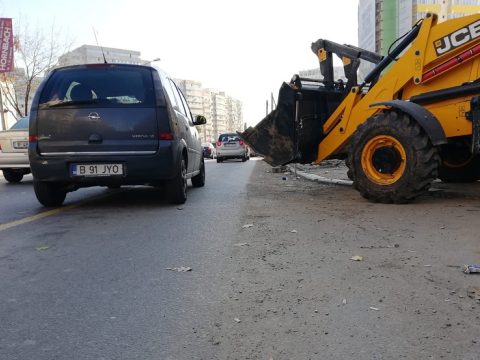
(465, 9)
(434, 8)
(322, 55)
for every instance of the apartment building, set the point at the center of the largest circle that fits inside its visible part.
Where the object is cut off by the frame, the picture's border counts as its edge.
(223, 112)
(90, 54)
(381, 22)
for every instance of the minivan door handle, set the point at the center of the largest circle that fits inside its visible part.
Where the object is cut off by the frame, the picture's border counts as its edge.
(95, 139)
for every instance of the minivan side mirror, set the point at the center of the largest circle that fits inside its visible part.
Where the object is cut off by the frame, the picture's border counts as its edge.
(199, 120)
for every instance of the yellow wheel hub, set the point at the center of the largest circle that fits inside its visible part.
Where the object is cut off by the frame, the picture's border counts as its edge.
(383, 159)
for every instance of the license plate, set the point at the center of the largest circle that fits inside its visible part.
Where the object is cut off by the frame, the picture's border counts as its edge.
(97, 169)
(20, 144)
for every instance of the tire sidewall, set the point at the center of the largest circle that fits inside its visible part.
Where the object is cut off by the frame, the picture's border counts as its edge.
(178, 185)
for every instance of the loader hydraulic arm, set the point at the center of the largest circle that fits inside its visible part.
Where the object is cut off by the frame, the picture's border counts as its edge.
(350, 56)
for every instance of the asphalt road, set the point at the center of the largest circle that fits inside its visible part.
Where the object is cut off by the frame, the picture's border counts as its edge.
(89, 281)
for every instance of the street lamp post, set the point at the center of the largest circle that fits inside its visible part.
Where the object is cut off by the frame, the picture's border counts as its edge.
(150, 61)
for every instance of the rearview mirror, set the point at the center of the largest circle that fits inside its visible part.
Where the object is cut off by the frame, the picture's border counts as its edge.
(199, 120)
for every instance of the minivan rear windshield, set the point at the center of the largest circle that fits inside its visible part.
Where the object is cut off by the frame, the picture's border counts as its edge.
(104, 86)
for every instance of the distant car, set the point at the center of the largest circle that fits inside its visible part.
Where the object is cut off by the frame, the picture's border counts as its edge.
(209, 151)
(14, 151)
(112, 125)
(231, 146)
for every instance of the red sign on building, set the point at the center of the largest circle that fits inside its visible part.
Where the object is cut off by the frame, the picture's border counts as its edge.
(6, 45)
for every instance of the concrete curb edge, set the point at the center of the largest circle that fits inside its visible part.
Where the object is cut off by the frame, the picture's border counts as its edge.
(320, 179)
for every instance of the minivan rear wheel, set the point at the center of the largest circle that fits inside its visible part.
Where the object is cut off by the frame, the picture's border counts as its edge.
(178, 185)
(199, 180)
(49, 193)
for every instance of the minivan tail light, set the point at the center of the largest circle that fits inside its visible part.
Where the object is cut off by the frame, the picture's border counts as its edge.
(165, 136)
(219, 143)
(241, 142)
(32, 138)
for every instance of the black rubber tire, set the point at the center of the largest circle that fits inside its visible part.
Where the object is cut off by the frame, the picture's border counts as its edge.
(219, 159)
(199, 180)
(49, 194)
(12, 176)
(178, 185)
(244, 159)
(458, 164)
(349, 171)
(421, 165)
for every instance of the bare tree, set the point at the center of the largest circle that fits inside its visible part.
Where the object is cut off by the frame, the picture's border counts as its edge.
(36, 51)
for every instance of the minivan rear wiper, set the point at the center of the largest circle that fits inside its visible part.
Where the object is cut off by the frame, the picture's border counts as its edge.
(70, 102)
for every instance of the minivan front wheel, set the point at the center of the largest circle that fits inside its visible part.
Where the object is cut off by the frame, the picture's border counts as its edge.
(178, 185)
(49, 193)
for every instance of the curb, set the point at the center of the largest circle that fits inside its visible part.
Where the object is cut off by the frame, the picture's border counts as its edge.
(320, 179)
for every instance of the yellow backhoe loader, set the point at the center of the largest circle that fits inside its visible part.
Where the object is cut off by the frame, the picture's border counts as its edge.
(414, 118)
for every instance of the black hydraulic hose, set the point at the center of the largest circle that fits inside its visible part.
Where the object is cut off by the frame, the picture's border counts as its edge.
(392, 55)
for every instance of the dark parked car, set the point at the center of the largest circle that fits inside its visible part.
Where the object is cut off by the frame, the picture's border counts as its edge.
(209, 151)
(112, 125)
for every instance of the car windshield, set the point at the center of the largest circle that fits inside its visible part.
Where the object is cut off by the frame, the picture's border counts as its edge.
(21, 124)
(104, 86)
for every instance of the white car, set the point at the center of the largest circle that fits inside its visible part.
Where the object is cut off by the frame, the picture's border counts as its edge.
(14, 151)
(231, 146)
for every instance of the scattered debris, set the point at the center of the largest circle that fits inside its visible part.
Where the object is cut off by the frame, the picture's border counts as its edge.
(344, 302)
(180, 269)
(474, 293)
(284, 178)
(374, 308)
(279, 169)
(246, 226)
(470, 269)
(412, 251)
(427, 265)
(379, 246)
(42, 248)
(237, 320)
(241, 244)
(356, 258)
(293, 231)
(179, 208)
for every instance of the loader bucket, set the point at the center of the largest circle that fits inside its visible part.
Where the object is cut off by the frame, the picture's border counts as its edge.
(274, 136)
(280, 139)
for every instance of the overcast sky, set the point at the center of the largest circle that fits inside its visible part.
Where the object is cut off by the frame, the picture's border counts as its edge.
(243, 47)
